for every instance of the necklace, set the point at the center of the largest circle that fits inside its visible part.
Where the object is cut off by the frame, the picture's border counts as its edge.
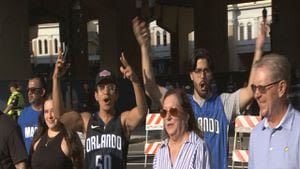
(49, 140)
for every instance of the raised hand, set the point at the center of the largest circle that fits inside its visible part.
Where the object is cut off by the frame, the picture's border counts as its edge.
(141, 31)
(60, 66)
(260, 40)
(126, 69)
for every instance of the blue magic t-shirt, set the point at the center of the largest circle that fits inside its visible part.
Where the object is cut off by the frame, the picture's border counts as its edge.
(28, 122)
(213, 122)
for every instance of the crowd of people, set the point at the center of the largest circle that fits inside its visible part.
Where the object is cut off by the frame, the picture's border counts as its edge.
(48, 135)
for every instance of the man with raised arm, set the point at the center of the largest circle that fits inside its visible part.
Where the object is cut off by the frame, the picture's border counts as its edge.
(213, 112)
(108, 133)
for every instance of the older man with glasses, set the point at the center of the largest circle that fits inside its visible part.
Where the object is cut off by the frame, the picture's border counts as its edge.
(28, 120)
(274, 142)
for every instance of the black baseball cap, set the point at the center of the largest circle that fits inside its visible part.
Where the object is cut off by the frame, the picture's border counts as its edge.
(105, 76)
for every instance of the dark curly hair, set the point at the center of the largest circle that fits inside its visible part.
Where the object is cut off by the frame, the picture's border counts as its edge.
(200, 54)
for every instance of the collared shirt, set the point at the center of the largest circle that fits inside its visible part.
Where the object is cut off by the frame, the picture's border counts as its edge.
(279, 147)
(193, 154)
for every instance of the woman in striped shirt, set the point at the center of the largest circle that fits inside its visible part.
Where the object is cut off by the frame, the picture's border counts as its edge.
(183, 148)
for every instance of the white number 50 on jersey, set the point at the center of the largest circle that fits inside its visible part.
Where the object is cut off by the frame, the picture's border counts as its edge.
(103, 162)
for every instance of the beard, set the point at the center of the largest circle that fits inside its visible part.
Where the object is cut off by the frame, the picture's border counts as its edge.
(203, 89)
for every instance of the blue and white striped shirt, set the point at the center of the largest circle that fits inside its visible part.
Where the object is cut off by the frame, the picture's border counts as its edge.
(192, 155)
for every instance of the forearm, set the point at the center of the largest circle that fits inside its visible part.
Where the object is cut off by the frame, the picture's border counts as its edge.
(7, 109)
(247, 94)
(140, 99)
(57, 98)
(151, 87)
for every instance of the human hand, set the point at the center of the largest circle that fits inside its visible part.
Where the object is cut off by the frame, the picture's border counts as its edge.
(60, 67)
(126, 69)
(141, 31)
(260, 40)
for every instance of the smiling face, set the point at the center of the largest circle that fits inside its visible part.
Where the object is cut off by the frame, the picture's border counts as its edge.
(269, 99)
(202, 78)
(174, 122)
(50, 119)
(106, 96)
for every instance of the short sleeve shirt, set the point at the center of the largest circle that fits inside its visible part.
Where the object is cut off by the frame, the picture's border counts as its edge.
(12, 148)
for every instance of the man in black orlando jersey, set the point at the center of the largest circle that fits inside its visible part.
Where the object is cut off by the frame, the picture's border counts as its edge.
(107, 132)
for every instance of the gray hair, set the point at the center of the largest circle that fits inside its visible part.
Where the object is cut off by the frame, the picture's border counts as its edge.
(278, 65)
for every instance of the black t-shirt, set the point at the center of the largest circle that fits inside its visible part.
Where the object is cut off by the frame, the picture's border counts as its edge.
(12, 148)
(106, 146)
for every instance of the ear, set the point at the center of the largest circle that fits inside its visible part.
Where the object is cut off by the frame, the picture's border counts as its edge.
(191, 76)
(282, 90)
(43, 92)
(96, 95)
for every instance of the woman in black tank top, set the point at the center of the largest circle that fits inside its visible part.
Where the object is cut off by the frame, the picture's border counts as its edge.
(54, 146)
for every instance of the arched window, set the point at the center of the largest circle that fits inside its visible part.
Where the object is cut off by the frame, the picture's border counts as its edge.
(55, 46)
(157, 38)
(249, 30)
(40, 47)
(241, 31)
(46, 46)
(165, 38)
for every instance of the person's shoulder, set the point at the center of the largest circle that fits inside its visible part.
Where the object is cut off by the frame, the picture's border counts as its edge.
(6, 121)
(27, 109)
(258, 127)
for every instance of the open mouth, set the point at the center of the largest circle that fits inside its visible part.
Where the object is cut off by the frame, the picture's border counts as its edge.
(107, 100)
(203, 85)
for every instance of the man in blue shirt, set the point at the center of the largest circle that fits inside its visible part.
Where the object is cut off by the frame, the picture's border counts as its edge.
(274, 142)
(28, 120)
(213, 112)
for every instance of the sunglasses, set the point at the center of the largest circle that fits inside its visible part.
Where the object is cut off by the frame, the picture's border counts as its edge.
(172, 111)
(262, 88)
(34, 90)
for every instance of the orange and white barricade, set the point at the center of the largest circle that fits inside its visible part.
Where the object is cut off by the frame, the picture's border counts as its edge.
(153, 123)
(152, 148)
(243, 124)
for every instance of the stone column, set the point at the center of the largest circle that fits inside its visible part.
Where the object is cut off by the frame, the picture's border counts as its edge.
(78, 43)
(178, 21)
(14, 37)
(116, 35)
(285, 30)
(210, 23)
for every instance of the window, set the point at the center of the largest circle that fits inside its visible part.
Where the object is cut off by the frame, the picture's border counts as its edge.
(157, 38)
(241, 31)
(46, 46)
(165, 38)
(249, 30)
(40, 47)
(55, 46)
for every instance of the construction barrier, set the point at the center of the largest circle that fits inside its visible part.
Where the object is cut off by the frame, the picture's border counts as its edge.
(151, 148)
(243, 124)
(240, 156)
(154, 122)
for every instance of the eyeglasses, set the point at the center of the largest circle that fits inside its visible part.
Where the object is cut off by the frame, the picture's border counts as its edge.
(34, 90)
(172, 111)
(200, 71)
(262, 88)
